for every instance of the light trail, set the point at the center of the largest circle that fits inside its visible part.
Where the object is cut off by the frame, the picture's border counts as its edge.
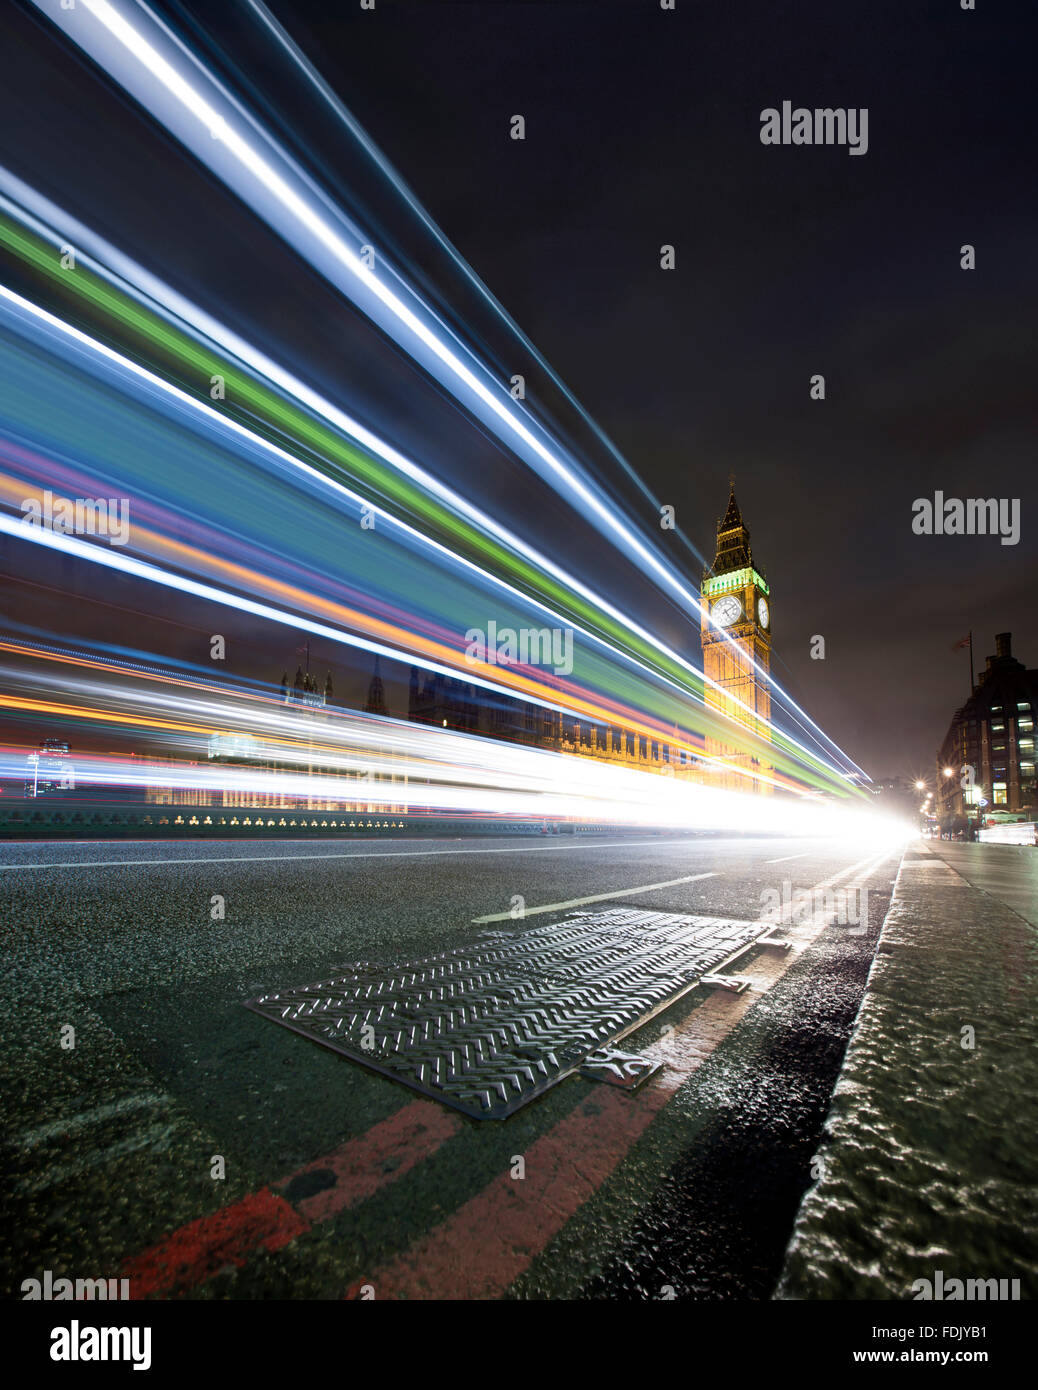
(608, 795)
(485, 525)
(279, 196)
(517, 685)
(292, 737)
(392, 176)
(357, 763)
(607, 713)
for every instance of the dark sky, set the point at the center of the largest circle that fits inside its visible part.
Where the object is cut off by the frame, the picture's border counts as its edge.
(643, 129)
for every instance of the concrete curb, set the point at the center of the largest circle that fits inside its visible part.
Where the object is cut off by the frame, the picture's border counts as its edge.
(929, 1161)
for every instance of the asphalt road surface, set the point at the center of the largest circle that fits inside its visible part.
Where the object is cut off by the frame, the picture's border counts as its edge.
(201, 1151)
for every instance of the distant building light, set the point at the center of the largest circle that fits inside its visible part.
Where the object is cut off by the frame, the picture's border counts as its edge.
(231, 745)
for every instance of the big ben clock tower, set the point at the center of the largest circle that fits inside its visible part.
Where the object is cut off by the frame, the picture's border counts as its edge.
(739, 601)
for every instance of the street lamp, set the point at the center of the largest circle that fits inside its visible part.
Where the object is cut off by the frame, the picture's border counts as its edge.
(920, 784)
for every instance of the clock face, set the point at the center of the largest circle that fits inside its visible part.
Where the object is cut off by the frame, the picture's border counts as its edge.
(762, 612)
(726, 611)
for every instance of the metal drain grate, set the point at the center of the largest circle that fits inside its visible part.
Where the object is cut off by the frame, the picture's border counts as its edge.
(489, 1026)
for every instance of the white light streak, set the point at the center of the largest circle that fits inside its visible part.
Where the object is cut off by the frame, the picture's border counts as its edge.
(212, 129)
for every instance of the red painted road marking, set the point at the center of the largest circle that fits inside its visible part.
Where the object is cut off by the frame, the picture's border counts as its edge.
(265, 1220)
(202, 1248)
(479, 1251)
(386, 1152)
(488, 1242)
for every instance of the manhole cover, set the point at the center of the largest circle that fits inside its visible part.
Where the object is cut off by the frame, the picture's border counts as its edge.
(489, 1026)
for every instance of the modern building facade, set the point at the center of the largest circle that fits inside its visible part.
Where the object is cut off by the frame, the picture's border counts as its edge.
(986, 760)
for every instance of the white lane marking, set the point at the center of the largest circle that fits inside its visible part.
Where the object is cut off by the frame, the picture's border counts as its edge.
(155, 1137)
(802, 931)
(711, 1021)
(786, 858)
(363, 854)
(594, 898)
(60, 1128)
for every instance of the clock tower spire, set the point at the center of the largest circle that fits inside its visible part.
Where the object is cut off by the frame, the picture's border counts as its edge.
(733, 539)
(738, 599)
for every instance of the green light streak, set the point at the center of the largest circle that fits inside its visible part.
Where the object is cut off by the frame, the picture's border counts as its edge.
(272, 414)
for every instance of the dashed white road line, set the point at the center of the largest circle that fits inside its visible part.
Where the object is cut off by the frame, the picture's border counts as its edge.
(156, 1136)
(594, 898)
(787, 857)
(57, 1129)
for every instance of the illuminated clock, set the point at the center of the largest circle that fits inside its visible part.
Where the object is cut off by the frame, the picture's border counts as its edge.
(762, 612)
(726, 610)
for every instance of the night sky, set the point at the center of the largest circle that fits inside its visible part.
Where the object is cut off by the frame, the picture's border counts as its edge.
(642, 128)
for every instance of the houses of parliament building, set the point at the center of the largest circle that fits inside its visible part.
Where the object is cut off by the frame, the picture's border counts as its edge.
(734, 590)
(738, 598)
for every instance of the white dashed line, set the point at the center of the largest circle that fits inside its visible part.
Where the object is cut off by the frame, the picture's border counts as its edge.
(594, 898)
(155, 1137)
(62, 1128)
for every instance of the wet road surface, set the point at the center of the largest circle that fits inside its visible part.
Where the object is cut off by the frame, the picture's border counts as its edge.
(203, 1152)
